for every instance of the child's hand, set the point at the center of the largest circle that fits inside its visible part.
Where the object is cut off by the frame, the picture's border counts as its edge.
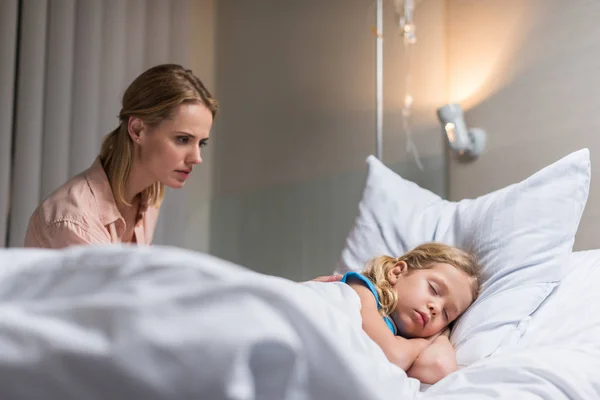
(436, 361)
(432, 338)
(423, 343)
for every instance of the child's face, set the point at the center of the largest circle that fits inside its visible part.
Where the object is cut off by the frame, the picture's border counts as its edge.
(428, 299)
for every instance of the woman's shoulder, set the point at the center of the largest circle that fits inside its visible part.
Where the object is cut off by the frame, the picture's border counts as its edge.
(73, 201)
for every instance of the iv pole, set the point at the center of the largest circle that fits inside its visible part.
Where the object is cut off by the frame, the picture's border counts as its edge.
(379, 84)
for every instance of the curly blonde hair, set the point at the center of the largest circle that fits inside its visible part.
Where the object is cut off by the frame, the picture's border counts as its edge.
(421, 257)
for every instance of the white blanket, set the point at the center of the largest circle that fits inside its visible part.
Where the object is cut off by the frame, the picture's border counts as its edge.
(163, 323)
(159, 323)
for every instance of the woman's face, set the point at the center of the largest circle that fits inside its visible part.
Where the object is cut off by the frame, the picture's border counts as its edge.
(429, 299)
(169, 151)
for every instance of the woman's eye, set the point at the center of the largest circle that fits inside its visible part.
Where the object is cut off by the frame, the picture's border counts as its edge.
(183, 139)
(203, 143)
(446, 315)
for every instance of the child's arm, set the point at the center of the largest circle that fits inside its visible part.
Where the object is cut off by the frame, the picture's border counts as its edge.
(398, 350)
(435, 362)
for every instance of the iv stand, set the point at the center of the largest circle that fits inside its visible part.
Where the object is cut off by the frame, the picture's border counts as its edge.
(379, 84)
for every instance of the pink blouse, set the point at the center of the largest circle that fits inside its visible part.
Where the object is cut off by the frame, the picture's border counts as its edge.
(84, 211)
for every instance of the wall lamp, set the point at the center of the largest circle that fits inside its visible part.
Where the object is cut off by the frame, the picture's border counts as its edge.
(466, 142)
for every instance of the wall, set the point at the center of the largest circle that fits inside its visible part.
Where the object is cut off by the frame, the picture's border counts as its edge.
(185, 216)
(527, 72)
(296, 83)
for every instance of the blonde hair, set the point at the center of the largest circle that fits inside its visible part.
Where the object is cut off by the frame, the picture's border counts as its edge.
(153, 97)
(421, 257)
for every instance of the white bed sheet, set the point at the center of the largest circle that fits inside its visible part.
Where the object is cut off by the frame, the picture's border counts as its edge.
(163, 323)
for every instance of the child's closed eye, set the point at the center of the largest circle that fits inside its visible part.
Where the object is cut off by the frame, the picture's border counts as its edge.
(433, 289)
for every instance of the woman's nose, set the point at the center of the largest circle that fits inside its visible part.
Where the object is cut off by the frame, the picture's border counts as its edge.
(195, 157)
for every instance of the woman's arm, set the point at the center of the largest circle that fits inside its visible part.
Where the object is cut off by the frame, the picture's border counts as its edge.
(435, 362)
(398, 350)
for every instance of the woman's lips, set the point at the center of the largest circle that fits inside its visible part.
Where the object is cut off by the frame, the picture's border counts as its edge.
(183, 173)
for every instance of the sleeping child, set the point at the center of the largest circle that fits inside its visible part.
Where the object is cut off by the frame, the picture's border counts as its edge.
(408, 303)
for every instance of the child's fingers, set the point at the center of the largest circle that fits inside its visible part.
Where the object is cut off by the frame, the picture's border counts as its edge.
(328, 278)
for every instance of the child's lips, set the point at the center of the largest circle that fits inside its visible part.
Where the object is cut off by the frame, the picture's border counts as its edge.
(423, 318)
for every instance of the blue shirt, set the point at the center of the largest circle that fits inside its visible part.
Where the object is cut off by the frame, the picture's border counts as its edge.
(388, 321)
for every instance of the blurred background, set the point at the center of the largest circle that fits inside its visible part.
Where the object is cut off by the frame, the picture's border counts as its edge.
(296, 81)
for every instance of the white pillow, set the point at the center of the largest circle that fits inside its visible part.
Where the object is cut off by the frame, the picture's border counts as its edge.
(566, 317)
(522, 234)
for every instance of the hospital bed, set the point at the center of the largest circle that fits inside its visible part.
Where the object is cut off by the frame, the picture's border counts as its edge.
(165, 323)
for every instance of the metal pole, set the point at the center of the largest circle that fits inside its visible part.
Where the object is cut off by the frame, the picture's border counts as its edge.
(379, 90)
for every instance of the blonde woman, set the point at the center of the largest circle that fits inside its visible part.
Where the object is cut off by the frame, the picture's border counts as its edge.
(408, 302)
(165, 120)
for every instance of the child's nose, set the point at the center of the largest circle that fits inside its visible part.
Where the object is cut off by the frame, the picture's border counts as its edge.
(433, 308)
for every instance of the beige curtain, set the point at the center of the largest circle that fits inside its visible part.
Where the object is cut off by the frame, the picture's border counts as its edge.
(64, 66)
(8, 48)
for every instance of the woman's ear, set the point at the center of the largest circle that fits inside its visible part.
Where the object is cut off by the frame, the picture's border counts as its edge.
(398, 270)
(135, 127)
